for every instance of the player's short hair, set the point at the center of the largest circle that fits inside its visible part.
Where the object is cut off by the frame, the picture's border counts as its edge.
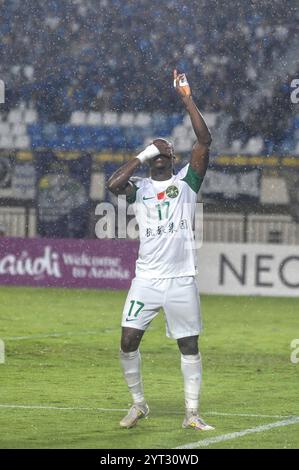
(168, 142)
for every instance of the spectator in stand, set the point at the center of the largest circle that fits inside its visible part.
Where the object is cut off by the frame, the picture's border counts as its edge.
(237, 129)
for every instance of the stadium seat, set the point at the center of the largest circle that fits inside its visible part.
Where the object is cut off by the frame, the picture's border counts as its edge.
(175, 119)
(79, 143)
(210, 119)
(101, 141)
(22, 142)
(179, 131)
(66, 131)
(109, 118)
(94, 119)
(6, 142)
(182, 144)
(254, 146)
(78, 118)
(118, 142)
(15, 116)
(287, 146)
(29, 116)
(186, 121)
(18, 129)
(134, 138)
(126, 119)
(4, 128)
(143, 119)
(147, 141)
(37, 141)
(136, 142)
(35, 128)
(236, 146)
(296, 122)
(161, 125)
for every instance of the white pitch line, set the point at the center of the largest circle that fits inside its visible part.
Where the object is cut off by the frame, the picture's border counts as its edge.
(55, 335)
(60, 408)
(66, 333)
(78, 408)
(246, 415)
(235, 435)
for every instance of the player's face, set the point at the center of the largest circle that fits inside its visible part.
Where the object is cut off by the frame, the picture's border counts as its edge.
(161, 162)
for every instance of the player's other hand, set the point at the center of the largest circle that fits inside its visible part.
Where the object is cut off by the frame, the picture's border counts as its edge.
(165, 148)
(181, 84)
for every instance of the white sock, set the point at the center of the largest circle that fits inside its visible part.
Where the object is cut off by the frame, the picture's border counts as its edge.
(131, 364)
(191, 369)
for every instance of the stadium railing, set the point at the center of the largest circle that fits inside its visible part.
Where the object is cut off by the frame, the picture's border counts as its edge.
(20, 221)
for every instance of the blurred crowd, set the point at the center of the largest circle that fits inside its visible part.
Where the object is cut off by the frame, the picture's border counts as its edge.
(272, 119)
(66, 55)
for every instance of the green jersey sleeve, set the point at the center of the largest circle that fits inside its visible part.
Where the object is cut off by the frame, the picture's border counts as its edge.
(132, 198)
(193, 179)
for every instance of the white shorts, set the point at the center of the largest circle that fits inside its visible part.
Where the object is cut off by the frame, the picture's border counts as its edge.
(179, 298)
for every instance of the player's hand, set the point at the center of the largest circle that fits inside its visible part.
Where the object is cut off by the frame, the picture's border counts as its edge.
(164, 147)
(181, 84)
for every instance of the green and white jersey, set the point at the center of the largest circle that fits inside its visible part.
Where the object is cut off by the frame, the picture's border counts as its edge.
(165, 213)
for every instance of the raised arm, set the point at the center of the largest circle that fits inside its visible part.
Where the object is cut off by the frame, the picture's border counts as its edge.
(200, 152)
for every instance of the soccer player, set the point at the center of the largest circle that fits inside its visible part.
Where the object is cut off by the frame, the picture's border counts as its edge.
(164, 205)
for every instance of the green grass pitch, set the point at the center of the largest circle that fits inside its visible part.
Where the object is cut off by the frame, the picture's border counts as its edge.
(62, 387)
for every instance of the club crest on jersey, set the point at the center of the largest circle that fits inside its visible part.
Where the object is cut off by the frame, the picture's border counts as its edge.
(172, 191)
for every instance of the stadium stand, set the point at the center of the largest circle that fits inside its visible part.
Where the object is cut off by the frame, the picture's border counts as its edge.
(83, 74)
